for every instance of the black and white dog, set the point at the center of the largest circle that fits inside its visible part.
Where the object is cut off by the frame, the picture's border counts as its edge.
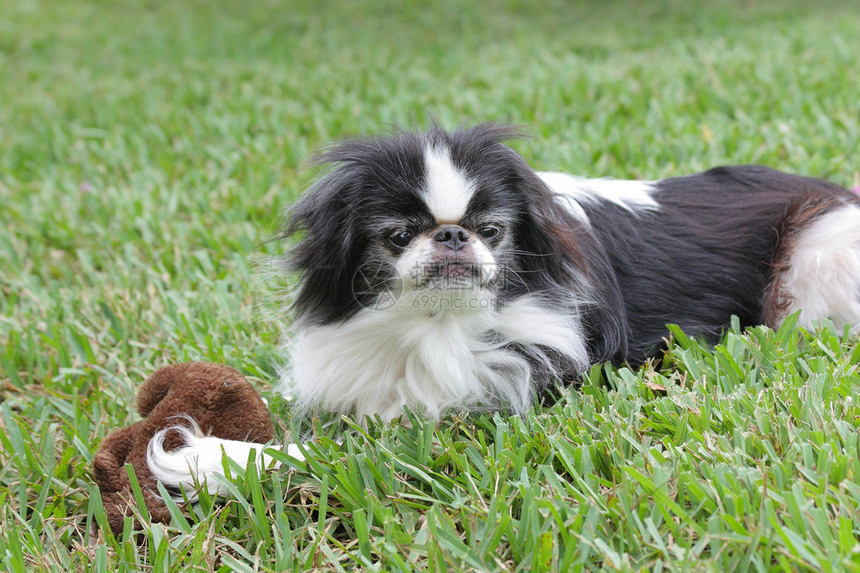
(440, 272)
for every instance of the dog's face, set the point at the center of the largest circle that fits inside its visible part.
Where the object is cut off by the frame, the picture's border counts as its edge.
(434, 221)
(443, 240)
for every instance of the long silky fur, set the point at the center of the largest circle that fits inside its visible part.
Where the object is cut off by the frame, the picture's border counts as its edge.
(691, 251)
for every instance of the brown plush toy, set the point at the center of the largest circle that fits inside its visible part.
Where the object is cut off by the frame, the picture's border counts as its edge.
(217, 398)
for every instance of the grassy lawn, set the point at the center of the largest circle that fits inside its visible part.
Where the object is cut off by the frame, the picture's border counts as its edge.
(147, 150)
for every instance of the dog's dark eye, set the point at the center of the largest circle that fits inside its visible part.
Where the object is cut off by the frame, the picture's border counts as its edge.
(489, 231)
(400, 238)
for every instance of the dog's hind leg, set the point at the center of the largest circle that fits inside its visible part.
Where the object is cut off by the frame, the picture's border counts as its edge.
(817, 270)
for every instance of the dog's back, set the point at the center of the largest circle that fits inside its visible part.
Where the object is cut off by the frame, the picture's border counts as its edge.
(746, 241)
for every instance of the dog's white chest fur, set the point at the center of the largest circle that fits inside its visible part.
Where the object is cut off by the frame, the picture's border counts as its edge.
(381, 361)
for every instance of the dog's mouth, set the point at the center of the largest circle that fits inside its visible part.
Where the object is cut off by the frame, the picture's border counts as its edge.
(453, 274)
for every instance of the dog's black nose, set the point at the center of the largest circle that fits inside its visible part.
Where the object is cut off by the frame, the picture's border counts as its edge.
(453, 236)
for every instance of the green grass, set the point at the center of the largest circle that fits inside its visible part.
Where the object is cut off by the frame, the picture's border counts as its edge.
(147, 148)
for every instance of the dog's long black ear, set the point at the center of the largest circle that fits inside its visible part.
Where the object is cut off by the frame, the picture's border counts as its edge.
(605, 315)
(327, 255)
(560, 255)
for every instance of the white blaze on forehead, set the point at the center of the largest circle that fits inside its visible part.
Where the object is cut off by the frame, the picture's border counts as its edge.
(448, 190)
